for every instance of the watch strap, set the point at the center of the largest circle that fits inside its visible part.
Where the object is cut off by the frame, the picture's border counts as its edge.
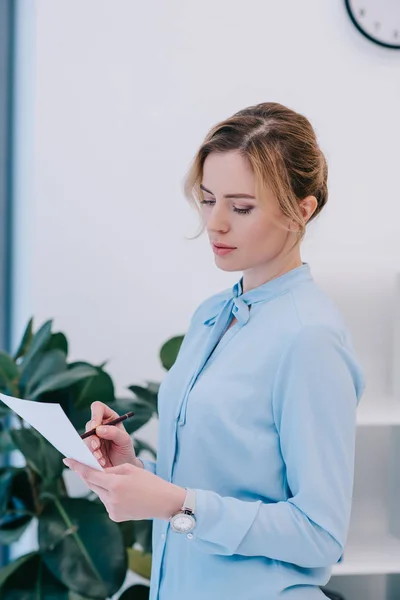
(190, 501)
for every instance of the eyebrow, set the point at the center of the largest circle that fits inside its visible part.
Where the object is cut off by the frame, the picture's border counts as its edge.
(228, 195)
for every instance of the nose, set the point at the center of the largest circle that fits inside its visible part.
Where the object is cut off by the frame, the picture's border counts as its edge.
(218, 219)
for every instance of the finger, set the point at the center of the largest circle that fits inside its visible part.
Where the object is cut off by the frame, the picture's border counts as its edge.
(99, 478)
(101, 412)
(101, 493)
(92, 442)
(97, 454)
(99, 457)
(114, 434)
(94, 445)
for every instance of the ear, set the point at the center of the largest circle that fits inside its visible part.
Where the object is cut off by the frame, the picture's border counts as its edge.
(308, 207)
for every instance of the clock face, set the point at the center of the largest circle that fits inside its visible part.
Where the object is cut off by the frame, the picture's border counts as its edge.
(183, 523)
(378, 20)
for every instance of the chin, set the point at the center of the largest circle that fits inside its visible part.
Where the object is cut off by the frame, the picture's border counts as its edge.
(225, 265)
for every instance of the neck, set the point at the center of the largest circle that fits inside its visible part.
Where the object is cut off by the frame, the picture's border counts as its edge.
(261, 274)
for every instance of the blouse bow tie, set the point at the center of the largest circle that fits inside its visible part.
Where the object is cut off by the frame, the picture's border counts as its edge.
(237, 305)
(232, 307)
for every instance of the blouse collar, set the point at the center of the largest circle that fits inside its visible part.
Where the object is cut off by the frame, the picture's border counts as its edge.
(241, 302)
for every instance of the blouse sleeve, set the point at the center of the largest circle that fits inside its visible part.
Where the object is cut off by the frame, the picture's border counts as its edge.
(316, 391)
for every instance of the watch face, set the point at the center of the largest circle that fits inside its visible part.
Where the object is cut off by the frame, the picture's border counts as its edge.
(377, 20)
(183, 523)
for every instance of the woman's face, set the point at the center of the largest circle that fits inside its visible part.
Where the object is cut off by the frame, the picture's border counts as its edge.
(255, 232)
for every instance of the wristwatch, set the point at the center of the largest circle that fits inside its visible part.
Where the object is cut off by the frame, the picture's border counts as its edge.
(184, 521)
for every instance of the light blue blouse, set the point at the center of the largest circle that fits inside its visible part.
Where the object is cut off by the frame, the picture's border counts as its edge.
(261, 422)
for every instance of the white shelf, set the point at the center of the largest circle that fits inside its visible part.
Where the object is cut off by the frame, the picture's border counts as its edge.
(380, 411)
(377, 555)
(370, 568)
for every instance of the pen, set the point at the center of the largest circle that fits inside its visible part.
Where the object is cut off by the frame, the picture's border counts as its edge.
(128, 415)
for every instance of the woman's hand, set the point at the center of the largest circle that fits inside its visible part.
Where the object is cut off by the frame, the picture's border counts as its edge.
(112, 445)
(130, 493)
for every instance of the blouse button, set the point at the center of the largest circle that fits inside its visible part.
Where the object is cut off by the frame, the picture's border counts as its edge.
(189, 536)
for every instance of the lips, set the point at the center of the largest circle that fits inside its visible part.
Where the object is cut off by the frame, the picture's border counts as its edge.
(224, 246)
(222, 249)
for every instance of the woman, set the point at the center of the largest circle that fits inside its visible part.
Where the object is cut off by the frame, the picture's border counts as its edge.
(251, 492)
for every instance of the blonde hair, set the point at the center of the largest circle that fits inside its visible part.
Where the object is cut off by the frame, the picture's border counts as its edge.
(281, 147)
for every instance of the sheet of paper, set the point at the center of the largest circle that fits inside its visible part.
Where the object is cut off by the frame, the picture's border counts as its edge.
(52, 422)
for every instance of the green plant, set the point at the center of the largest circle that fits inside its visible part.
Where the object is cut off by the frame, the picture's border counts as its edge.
(80, 552)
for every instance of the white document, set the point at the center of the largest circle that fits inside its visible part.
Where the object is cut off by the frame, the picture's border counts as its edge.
(52, 422)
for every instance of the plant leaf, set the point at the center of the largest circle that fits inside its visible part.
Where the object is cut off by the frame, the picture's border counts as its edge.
(40, 455)
(38, 343)
(71, 532)
(169, 351)
(16, 503)
(25, 340)
(143, 413)
(6, 443)
(4, 410)
(99, 388)
(79, 418)
(52, 362)
(58, 341)
(28, 578)
(6, 477)
(136, 592)
(21, 491)
(153, 386)
(145, 394)
(63, 380)
(12, 530)
(12, 567)
(9, 373)
(29, 372)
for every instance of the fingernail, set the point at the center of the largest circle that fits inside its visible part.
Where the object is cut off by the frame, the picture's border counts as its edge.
(92, 424)
(102, 429)
(102, 462)
(94, 444)
(66, 462)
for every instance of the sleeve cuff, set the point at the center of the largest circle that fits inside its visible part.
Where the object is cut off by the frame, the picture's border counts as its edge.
(222, 522)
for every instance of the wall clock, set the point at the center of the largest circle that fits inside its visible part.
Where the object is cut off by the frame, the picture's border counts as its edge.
(377, 20)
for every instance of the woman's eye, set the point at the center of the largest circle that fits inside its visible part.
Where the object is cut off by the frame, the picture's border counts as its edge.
(240, 211)
(243, 211)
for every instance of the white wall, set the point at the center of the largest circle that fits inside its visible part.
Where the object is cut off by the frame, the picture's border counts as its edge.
(124, 92)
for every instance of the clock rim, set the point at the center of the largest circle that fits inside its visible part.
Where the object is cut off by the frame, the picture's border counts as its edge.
(189, 518)
(365, 33)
